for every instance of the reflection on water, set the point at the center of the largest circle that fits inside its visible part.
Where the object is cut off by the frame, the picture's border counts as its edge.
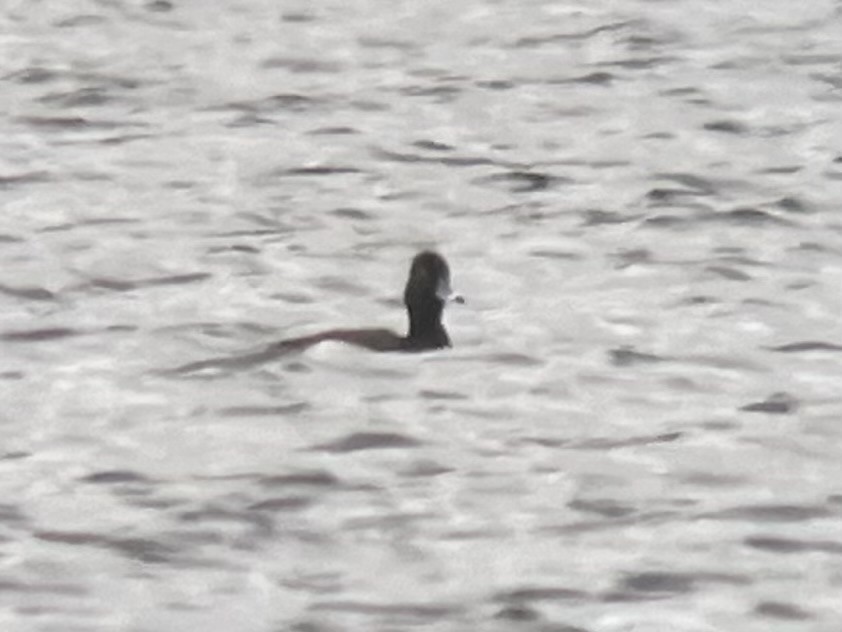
(638, 426)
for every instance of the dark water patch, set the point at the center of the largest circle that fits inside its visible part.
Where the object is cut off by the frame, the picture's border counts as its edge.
(782, 611)
(264, 411)
(83, 97)
(123, 139)
(80, 20)
(432, 145)
(641, 63)
(180, 185)
(12, 515)
(120, 328)
(351, 213)
(595, 78)
(513, 359)
(244, 248)
(29, 293)
(248, 119)
(811, 59)
(40, 335)
(669, 221)
(50, 588)
(288, 102)
(627, 257)
(214, 513)
(771, 513)
(410, 610)
(143, 550)
(606, 508)
(540, 593)
(10, 239)
(68, 123)
(455, 161)
(783, 170)
(442, 395)
(22, 179)
(546, 442)
(726, 127)
(221, 365)
(369, 441)
(833, 80)
(627, 356)
(373, 41)
(118, 285)
(293, 297)
(282, 503)
(611, 524)
(298, 17)
(111, 477)
(140, 549)
(652, 585)
(495, 84)
(15, 455)
(807, 346)
(333, 131)
(775, 404)
(681, 92)
(692, 181)
(612, 444)
(159, 6)
(257, 232)
(661, 196)
(425, 469)
(301, 65)
(555, 254)
(366, 105)
(729, 273)
(33, 75)
(599, 78)
(774, 544)
(517, 612)
(749, 216)
(11, 376)
(792, 204)
(809, 246)
(446, 93)
(596, 217)
(108, 221)
(522, 181)
(659, 585)
(709, 479)
(543, 40)
(313, 478)
(322, 170)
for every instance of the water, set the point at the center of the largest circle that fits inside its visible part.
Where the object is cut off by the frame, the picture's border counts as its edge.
(638, 427)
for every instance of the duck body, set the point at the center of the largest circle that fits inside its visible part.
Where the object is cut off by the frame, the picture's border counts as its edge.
(427, 290)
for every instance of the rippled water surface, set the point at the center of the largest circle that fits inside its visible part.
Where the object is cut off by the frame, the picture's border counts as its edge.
(640, 424)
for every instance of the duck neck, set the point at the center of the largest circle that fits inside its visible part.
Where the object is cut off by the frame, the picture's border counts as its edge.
(425, 324)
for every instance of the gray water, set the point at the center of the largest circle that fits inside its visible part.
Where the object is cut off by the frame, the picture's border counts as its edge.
(639, 427)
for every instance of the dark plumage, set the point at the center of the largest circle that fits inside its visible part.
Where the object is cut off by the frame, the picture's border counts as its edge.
(427, 290)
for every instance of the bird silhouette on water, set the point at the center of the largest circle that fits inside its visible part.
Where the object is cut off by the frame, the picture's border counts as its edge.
(426, 292)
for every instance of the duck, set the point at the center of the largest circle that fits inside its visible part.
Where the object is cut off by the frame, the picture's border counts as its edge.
(426, 292)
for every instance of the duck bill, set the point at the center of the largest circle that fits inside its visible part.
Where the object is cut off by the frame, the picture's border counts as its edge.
(446, 294)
